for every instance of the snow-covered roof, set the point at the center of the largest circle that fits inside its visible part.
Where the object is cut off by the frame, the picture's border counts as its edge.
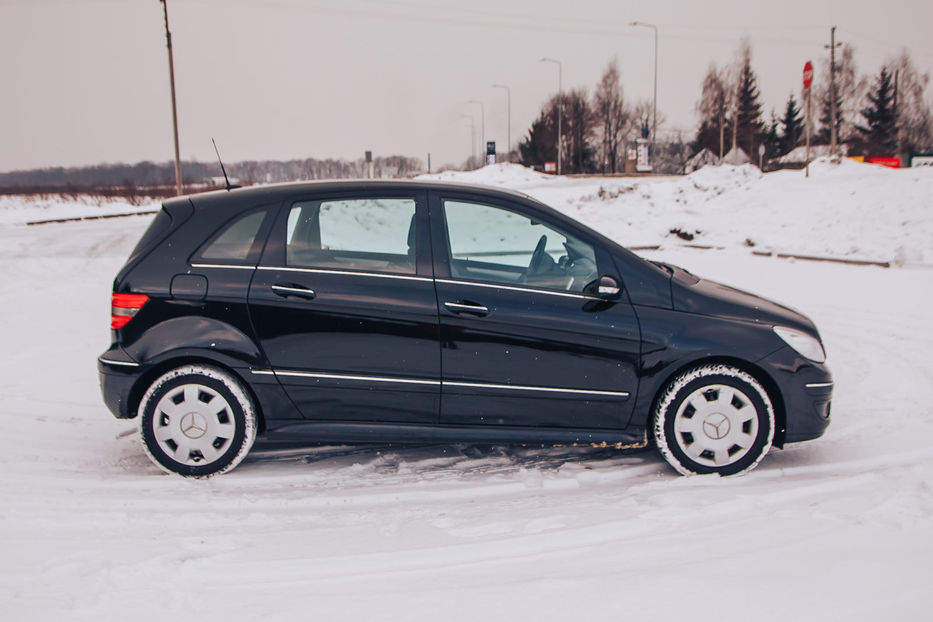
(704, 158)
(799, 154)
(736, 157)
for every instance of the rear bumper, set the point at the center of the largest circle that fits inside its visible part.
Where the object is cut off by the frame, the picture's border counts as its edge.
(117, 374)
(806, 389)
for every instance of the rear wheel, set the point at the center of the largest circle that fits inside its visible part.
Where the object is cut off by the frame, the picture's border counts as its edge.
(714, 419)
(197, 421)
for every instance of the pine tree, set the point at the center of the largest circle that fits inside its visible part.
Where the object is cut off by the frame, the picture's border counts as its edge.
(579, 123)
(791, 127)
(540, 145)
(708, 135)
(749, 128)
(772, 139)
(879, 134)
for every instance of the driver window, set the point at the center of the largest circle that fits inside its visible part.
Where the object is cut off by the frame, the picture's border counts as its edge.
(494, 244)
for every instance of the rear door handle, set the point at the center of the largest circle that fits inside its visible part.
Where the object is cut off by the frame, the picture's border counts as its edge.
(289, 289)
(472, 309)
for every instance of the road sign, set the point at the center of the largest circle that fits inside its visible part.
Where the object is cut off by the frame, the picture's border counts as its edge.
(807, 75)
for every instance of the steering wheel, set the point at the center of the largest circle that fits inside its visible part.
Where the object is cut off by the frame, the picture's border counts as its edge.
(537, 257)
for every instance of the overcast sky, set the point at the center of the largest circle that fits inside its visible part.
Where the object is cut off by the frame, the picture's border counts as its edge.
(86, 81)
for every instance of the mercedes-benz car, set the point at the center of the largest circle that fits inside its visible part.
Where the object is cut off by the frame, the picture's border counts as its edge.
(355, 312)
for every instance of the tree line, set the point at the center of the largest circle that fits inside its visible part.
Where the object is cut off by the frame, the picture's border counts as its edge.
(884, 114)
(881, 115)
(148, 177)
(594, 128)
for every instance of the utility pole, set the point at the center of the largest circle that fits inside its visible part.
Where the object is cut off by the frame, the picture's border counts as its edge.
(897, 125)
(171, 78)
(808, 132)
(508, 93)
(560, 105)
(832, 89)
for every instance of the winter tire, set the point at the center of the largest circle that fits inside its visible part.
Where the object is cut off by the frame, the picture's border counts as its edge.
(714, 419)
(197, 421)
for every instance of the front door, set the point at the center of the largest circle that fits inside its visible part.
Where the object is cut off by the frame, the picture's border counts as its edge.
(524, 339)
(343, 302)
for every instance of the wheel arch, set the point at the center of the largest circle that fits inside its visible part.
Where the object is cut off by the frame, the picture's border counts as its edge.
(146, 379)
(756, 372)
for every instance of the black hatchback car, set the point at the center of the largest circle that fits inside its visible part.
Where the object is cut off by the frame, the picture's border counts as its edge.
(419, 311)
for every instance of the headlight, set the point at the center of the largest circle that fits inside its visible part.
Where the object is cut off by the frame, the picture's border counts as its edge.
(805, 344)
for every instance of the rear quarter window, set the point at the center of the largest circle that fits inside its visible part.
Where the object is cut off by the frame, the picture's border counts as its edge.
(235, 241)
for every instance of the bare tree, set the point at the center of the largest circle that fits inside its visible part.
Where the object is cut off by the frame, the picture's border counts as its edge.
(715, 104)
(914, 118)
(850, 93)
(612, 115)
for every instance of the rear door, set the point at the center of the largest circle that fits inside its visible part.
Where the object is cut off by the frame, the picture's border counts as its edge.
(522, 342)
(344, 306)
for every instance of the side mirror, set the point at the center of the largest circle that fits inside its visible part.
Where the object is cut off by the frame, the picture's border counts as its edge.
(604, 287)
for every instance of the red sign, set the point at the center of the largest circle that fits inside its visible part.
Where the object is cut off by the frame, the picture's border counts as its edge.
(807, 75)
(886, 161)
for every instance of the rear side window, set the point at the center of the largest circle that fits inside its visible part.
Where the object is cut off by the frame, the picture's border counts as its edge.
(234, 242)
(372, 235)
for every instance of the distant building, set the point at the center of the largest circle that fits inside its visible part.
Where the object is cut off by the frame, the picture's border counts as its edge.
(220, 182)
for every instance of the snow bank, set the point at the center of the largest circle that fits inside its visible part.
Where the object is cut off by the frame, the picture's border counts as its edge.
(843, 210)
(505, 174)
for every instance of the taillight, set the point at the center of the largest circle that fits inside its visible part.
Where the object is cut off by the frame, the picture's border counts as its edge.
(123, 307)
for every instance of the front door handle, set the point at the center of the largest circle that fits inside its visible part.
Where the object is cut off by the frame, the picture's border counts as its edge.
(472, 309)
(289, 289)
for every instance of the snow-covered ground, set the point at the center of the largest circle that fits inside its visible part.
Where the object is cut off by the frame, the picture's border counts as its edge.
(836, 529)
(40, 208)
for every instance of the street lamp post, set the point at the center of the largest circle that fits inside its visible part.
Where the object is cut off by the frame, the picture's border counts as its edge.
(654, 127)
(482, 116)
(171, 78)
(560, 105)
(508, 93)
(472, 135)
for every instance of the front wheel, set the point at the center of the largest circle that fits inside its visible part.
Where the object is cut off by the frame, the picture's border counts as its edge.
(714, 419)
(197, 421)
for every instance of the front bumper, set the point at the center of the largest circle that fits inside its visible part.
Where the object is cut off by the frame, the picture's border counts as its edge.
(806, 390)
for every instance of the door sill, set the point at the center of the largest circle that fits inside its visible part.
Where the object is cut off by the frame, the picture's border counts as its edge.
(344, 432)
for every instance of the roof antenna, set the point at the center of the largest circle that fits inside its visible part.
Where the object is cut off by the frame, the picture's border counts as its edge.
(222, 169)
